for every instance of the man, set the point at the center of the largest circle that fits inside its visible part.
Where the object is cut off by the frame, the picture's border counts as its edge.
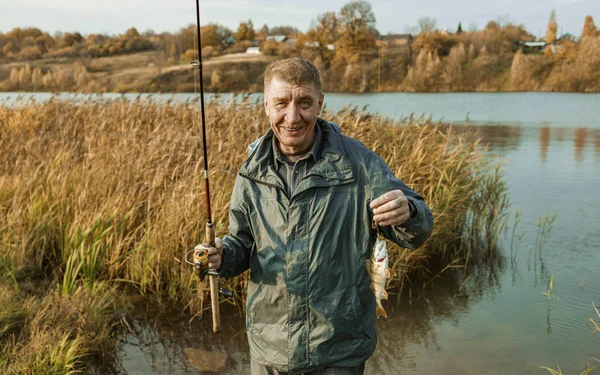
(300, 219)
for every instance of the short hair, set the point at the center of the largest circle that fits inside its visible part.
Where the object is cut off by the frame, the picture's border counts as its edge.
(296, 70)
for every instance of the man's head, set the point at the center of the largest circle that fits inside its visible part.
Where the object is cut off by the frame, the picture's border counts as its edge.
(294, 70)
(293, 99)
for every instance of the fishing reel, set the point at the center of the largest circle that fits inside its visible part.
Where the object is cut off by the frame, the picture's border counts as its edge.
(201, 269)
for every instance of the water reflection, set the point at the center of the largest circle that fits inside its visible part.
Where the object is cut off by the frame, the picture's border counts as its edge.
(161, 340)
(502, 138)
(544, 141)
(579, 141)
(420, 309)
(596, 144)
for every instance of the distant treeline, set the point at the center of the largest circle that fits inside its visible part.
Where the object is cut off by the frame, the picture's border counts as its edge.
(346, 46)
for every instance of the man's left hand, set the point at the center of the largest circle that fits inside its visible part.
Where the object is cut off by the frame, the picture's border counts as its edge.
(391, 208)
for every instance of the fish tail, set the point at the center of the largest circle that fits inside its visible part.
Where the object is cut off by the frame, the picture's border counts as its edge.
(379, 311)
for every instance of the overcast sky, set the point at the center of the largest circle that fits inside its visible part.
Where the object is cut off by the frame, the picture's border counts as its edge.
(393, 16)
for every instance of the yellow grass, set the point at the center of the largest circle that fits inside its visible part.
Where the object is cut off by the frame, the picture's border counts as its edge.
(102, 195)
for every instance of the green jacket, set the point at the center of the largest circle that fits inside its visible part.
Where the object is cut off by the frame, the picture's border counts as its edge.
(309, 303)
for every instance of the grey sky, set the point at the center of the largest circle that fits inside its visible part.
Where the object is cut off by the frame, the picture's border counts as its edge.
(393, 16)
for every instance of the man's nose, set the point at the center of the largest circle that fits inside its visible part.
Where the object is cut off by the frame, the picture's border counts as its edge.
(292, 115)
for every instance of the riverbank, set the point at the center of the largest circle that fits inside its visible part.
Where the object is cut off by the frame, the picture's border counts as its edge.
(243, 73)
(99, 201)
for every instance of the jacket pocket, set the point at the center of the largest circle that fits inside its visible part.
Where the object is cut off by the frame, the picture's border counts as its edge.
(338, 314)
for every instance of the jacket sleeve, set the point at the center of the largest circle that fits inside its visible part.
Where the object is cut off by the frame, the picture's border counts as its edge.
(420, 223)
(238, 244)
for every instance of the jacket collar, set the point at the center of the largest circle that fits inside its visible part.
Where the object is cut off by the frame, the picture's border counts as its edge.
(331, 168)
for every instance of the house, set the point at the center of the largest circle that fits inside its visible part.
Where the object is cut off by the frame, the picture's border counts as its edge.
(277, 38)
(396, 44)
(532, 47)
(396, 40)
(567, 36)
(253, 50)
(313, 45)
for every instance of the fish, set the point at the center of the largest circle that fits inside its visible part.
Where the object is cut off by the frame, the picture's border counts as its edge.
(379, 273)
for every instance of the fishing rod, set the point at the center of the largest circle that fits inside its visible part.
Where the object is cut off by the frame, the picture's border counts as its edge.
(201, 255)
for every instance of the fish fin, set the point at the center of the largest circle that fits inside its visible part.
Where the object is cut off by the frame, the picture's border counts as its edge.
(384, 295)
(387, 274)
(379, 311)
(392, 272)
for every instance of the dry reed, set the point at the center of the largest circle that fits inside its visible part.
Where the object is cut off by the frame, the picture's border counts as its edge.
(111, 193)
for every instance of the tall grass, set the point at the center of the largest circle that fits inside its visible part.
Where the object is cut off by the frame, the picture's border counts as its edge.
(111, 193)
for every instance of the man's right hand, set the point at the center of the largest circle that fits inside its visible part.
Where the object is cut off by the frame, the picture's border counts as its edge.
(215, 254)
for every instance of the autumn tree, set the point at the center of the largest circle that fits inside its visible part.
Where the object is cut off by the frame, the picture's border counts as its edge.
(518, 71)
(36, 78)
(2, 43)
(453, 69)
(215, 35)
(589, 28)
(551, 32)
(263, 32)
(357, 27)
(437, 41)
(132, 33)
(69, 39)
(288, 31)
(245, 31)
(324, 31)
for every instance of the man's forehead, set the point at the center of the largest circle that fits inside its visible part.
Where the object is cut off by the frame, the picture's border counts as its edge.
(281, 86)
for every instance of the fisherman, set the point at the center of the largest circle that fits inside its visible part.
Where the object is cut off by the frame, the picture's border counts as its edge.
(300, 219)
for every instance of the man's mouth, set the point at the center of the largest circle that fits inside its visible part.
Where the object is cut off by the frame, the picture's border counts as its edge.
(294, 129)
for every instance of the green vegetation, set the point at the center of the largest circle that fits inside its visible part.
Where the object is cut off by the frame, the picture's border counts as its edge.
(346, 46)
(100, 200)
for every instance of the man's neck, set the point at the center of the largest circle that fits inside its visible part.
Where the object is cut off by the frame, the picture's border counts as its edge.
(296, 155)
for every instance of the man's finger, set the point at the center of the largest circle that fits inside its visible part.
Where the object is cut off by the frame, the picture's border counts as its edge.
(391, 205)
(214, 261)
(395, 221)
(383, 199)
(389, 215)
(214, 250)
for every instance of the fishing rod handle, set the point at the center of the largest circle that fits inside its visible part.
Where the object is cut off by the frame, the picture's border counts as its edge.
(214, 283)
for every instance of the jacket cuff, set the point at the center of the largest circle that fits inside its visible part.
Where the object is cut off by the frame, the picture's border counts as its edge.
(412, 207)
(227, 262)
(413, 223)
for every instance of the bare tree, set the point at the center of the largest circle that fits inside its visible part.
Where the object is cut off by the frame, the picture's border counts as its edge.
(357, 26)
(427, 24)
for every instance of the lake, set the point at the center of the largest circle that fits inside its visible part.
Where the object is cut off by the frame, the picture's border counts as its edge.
(494, 318)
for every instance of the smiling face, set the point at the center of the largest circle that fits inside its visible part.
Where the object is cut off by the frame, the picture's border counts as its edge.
(292, 110)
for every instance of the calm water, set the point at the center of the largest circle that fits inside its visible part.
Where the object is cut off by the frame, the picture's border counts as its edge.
(493, 319)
